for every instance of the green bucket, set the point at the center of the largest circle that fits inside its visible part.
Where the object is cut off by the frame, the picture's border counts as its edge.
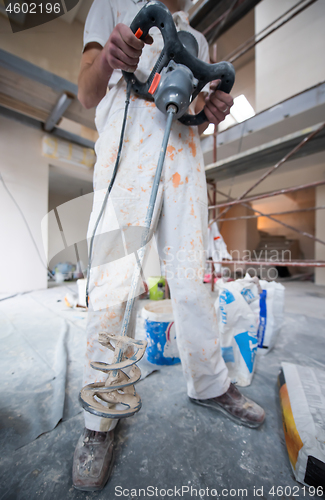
(156, 285)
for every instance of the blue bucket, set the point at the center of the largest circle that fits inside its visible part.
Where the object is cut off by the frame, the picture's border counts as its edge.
(161, 333)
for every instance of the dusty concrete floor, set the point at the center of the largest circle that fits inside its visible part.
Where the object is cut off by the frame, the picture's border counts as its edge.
(172, 443)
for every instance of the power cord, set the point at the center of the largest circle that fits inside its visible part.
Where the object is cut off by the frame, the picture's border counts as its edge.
(109, 189)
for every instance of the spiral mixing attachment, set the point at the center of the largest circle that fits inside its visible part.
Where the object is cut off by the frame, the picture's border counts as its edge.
(116, 397)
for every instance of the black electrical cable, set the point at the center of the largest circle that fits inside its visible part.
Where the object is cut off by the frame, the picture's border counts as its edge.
(26, 224)
(109, 189)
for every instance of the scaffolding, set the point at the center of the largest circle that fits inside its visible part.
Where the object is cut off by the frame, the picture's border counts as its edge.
(244, 200)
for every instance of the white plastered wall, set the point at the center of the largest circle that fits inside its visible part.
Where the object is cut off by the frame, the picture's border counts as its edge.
(291, 59)
(25, 173)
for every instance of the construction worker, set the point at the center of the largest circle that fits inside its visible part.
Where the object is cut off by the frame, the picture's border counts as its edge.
(109, 47)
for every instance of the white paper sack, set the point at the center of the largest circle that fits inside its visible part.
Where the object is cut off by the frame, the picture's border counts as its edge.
(271, 315)
(237, 308)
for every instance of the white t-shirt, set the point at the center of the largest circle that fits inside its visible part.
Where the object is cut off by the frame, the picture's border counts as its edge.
(104, 15)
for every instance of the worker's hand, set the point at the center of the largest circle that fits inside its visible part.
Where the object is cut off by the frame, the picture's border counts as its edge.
(217, 104)
(123, 49)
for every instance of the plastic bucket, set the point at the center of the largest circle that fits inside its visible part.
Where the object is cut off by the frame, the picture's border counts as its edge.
(161, 333)
(156, 286)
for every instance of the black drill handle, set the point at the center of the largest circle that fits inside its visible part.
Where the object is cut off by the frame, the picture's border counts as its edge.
(155, 13)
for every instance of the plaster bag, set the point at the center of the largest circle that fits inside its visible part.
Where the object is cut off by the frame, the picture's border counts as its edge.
(237, 308)
(271, 315)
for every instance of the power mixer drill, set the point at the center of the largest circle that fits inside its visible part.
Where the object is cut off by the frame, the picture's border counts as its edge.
(176, 79)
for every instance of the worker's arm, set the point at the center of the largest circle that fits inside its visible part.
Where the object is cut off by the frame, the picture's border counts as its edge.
(121, 51)
(216, 106)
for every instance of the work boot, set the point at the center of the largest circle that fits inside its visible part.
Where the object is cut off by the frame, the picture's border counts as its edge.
(93, 460)
(237, 407)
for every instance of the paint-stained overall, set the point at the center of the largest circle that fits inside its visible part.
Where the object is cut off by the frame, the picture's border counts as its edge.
(181, 229)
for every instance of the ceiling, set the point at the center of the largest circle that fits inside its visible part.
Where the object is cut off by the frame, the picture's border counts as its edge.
(215, 17)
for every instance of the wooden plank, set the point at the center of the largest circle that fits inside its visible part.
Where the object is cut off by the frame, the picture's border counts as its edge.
(41, 97)
(25, 90)
(22, 107)
(36, 74)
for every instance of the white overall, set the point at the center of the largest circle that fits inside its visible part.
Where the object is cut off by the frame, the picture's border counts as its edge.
(180, 236)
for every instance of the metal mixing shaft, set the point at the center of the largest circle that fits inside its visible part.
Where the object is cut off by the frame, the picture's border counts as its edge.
(117, 397)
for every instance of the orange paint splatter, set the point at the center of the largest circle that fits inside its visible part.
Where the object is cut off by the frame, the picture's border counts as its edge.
(170, 151)
(191, 143)
(113, 157)
(176, 179)
(186, 180)
(130, 189)
(179, 150)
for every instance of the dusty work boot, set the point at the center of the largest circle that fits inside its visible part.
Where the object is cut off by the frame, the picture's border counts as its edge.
(237, 407)
(93, 460)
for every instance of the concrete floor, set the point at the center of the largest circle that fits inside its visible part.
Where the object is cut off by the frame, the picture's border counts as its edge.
(172, 443)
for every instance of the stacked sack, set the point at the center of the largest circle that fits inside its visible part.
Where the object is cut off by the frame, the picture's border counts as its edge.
(250, 314)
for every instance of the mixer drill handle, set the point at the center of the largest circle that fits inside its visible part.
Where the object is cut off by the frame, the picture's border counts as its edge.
(155, 13)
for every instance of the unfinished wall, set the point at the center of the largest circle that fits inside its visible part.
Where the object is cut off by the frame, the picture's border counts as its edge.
(245, 65)
(245, 82)
(25, 173)
(239, 235)
(55, 46)
(304, 221)
(76, 219)
(291, 59)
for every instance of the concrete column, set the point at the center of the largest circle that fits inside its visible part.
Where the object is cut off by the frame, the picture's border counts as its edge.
(25, 173)
(320, 233)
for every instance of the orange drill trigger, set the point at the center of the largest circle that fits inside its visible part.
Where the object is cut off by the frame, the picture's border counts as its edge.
(155, 83)
(139, 33)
